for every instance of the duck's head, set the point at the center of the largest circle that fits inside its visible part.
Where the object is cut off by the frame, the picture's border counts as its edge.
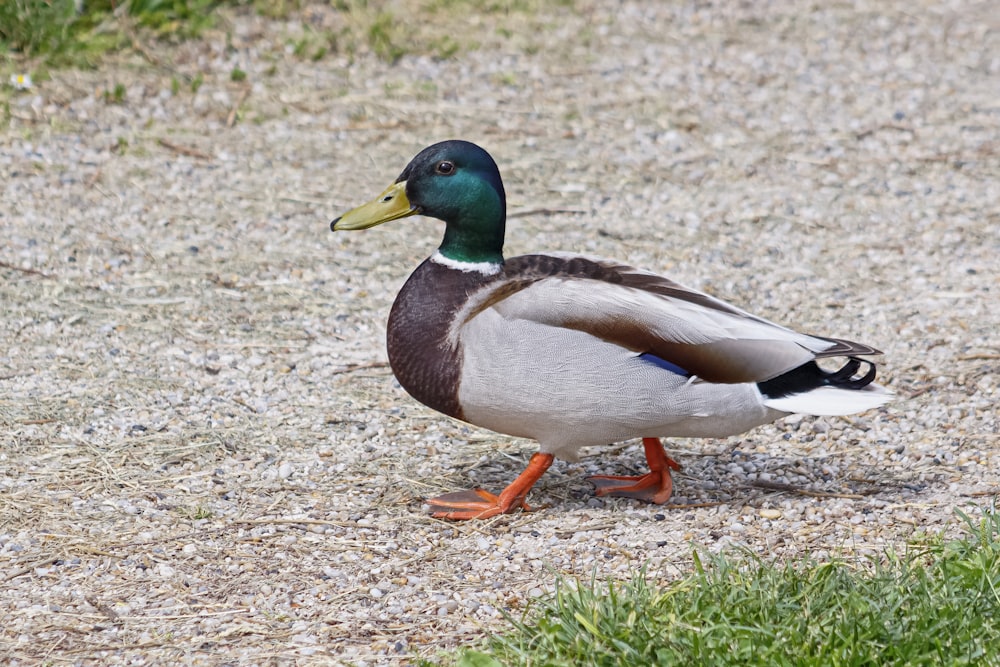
(454, 181)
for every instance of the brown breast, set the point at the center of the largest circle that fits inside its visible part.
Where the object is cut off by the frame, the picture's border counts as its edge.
(420, 354)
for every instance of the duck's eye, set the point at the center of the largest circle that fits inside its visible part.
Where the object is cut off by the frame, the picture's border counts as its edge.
(445, 168)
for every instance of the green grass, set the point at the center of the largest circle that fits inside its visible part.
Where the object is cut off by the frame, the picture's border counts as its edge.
(60, 33)
(939, 604)
(49, 30)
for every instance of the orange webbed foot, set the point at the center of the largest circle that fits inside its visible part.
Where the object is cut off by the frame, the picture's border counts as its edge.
(472, 504)
(481, 504)
(653, 487)
(656, 486)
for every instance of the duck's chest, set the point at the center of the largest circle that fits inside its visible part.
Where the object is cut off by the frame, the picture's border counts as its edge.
(423, 350)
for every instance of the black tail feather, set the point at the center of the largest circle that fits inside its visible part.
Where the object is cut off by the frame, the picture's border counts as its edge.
(810, 376)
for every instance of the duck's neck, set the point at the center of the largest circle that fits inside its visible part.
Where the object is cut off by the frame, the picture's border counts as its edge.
(485, 268)
(475, 241)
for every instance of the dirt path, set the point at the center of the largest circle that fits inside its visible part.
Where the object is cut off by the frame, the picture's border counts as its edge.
(205, 460)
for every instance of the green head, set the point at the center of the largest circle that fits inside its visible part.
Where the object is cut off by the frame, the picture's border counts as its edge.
(454, 181)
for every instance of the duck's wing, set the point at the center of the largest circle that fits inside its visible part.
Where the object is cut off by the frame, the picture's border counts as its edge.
(694, 333)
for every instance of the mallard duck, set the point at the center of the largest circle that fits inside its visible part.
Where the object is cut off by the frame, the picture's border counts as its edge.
(574, 351)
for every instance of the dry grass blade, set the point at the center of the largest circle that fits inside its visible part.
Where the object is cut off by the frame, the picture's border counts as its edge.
(240, 99)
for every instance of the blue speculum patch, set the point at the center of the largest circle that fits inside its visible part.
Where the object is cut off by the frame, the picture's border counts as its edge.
(664, 364)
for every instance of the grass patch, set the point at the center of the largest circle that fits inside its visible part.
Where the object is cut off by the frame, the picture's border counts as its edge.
(935, 605)
(441, 29)
(33, 26)
(49, 29)
(65, 32)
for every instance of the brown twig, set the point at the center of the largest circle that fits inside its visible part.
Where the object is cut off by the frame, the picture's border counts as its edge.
(282, 522)
(26, 570)
(100, 648)
(172, 538)
(184, 150)
(779, 486)
(240, 401)
(93, 178)
(351, 368)
(584, 528)
(884, 126)
(920, 391)
(103, 608)
(689, 506)
(34, 272)
(545, 211)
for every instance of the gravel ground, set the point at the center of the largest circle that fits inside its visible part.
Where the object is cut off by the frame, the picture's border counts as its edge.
(204, 458)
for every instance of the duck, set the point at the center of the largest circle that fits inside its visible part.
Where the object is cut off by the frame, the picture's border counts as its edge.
(574, 351)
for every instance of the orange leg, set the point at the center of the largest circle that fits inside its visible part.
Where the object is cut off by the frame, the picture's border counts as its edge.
(480, 504)
(653, 487)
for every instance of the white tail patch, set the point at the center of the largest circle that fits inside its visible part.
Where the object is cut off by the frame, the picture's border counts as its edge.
(825, 401)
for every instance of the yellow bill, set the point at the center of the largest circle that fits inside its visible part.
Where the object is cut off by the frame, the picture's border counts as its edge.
(392, 204)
